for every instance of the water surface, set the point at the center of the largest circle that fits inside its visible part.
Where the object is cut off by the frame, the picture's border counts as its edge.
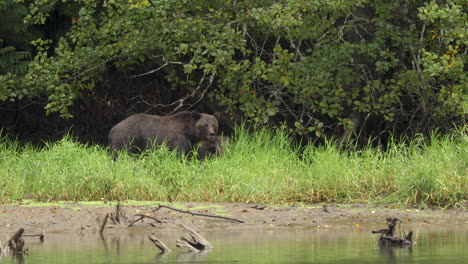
(444, 245)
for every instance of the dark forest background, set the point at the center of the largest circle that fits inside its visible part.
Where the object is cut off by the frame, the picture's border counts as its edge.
(355, 70)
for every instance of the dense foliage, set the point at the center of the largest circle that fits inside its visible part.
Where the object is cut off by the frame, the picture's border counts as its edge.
(317, 67)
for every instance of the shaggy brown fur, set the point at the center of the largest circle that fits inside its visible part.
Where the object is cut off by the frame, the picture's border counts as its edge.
(179, 132)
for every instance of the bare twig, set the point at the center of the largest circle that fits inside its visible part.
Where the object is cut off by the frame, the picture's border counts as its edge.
(194, 92)
(78, 74)
(182, 101)
(158, 69)
(206, 89)
(198, 214)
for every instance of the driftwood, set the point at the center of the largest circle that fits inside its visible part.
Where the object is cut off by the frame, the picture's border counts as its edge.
(103, 225)
(15, 244)
(198, 214)
(196, 244)
(158, 243)
(386, 241)
(387, 236)
(119, 217)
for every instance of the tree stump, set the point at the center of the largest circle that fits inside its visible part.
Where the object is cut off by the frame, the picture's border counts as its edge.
(387, 236)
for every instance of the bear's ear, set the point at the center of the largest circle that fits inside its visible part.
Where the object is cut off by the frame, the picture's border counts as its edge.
(217, 115)
(196, 115)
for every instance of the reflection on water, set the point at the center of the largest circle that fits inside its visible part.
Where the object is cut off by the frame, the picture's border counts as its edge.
(251, 246)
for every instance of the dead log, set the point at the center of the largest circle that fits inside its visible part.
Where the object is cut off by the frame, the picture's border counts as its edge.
(159, 244)
(196, 243)
(198, 214)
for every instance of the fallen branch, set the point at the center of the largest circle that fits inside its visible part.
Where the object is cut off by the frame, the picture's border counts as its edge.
(41, 235)
(198, 214)
(158, 243)
(142, 216)
(134, 221)
(196, 244)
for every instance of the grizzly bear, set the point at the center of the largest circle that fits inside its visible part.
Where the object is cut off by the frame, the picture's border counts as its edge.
(212, 147)
(181, 131)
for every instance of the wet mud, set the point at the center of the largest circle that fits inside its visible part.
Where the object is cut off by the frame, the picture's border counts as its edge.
(87, 218)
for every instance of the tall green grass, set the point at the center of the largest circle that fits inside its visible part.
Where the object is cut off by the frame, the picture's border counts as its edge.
(263, 167)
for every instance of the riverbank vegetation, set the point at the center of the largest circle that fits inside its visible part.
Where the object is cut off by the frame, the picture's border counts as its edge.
(259, 167)
(320, 68)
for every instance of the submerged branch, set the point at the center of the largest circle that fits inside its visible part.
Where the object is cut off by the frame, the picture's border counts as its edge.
(197, 242)
(159, 244)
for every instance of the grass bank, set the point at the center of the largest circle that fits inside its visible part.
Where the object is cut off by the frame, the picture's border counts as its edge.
(263, 167)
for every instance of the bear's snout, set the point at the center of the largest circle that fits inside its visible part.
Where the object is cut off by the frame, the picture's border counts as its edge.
(211, 136)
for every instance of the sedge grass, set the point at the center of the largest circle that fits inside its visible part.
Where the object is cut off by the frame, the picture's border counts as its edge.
(262, 167)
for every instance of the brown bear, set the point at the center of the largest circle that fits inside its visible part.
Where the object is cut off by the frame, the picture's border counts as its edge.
(180, 131)
(212, 147)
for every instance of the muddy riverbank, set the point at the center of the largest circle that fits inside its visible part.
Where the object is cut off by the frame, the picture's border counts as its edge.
(87, 217)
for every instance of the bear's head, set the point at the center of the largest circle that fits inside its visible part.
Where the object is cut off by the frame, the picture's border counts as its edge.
(206, 125)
